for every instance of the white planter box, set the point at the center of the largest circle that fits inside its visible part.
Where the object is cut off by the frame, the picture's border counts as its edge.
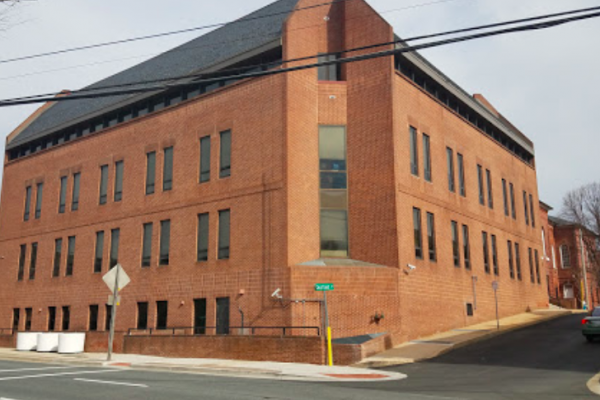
(27, 341)
(71, 343)
(47, 342)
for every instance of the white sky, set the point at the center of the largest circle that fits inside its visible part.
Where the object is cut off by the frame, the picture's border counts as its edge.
(547, 83)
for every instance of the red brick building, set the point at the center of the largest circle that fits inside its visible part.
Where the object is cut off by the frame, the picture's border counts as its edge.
(382, 176)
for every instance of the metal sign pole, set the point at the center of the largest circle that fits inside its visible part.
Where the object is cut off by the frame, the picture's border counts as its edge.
(329, 349)
(497, 315)
(113, 315)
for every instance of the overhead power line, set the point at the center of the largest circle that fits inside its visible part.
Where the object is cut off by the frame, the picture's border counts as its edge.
(536, 26)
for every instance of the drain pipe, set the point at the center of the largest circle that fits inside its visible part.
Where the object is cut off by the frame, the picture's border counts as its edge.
(242, 314)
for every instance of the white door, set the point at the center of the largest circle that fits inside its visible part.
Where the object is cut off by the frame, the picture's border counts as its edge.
(568, 291)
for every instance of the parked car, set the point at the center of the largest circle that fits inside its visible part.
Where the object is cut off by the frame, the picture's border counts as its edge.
(591, 325)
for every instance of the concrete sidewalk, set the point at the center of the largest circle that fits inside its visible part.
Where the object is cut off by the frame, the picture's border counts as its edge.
(231, 368)
(436, 345)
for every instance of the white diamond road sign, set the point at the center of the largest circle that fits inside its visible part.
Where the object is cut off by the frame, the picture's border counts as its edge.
(110, 276)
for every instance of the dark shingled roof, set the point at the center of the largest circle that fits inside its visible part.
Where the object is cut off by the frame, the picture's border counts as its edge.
(561, 221)
(196, 55)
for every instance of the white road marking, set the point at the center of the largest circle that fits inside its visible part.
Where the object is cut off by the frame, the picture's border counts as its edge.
(5, 398)
(111, 382)
(594, 384)
(32, 369)
(15, 378)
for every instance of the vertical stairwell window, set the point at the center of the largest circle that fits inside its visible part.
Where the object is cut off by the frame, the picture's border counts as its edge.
(330, 72)
(333, 191)
(511, 261)
(33, 261)
(38, 200)
(466, 246)
(495, 256)
(99, 252)
(450, 163)
(532, 210)
(224, 234)
(62, 201)
(70, 255)
(165, 242)
(427, 157)
(518, 261)
(22, 255)
(490, 191)
(505, 197)
(414, 152)
(455, 244)
(531, 272)
(168, 169)
(486, 252)
(114, 247)
(147, 245)
(76, 190)
(461, 175)
(431, 237)
(537, 267)
(526, 208)
(57, 258)
(480, 181)
(418, 233)
(202, 237)
(150, 172)
(205, 159)
(512, 201)
(26, 213)
(119, 167)
(103, 184)
(225, 155)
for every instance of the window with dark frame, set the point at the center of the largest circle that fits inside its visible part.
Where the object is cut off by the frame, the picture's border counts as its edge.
(70, 255)
(225, 155)
(107, 317)
(466, 246)
(119, 170)
(224, 225)
(57, 258)
(199, 316)
(162, 310)
(165, 242)
(505, 197)
(114, 247)
(532, 209)
(531, 271)
(526, 208)
(512, 201)
(518, 261)
(93, 318)
(330, 72)
(511, 262)
(62, 202)
(426, 157)
(99, 252)
(26, 213)
(414, 152)
(203, 226)
(486, 252)
(142, 315)
(51, 319)
(450, 165)
(16, 320)
(495, 256)
(22, 255)
(66, 318)
(38, 200)
(222, 314)
(537, 267)
(168, 169)
(455, 244)
(103, 184)
(76, 190)
(147, 245)
(431, 237)
(490, 191)
(480, 182)
(205, 159)
(418, 233)
(461, 175)
(32, 261)
(150, 172)
(28, 317)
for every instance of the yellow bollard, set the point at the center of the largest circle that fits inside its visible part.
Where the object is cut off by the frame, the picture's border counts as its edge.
(329, 349)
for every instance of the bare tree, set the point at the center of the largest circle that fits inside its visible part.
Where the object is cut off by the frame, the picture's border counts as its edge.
(6, 7)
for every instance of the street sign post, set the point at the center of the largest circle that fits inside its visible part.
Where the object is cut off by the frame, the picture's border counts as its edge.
(496, 286)
(326, 287)
(116, 279)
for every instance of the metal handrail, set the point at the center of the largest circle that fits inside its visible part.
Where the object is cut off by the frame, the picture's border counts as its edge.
(232, 331)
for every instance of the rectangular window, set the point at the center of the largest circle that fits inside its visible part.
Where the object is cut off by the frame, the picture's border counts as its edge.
(480, 181)
(114, 247)
(93, 322)
(224, 217)
(62, 202)
(28, 316)
(426, 157)
(490, 192)
(51, 319)
(203, 237)
(142, 315)
(70, 255)
(418, 233)
(76, 189)
(168, 169)
(450, 162)
(526, 208)
(150, 172)
(431, 237)
(532, 210)
(505, 197)
(99, 252)
(225, 160)
(511, 262)
(537, 267)
(518, 260)
(22, 255)
(486, 252)
(38, 200)
(205, 159)
(27, 203)
(495, 256)
(223, 316)
(165, 242)
(414, 152)
(147, 245)
(531, 273)
(66, 318)
(162, 310)
(512, 201)
(455, 245)
(461, 175)
(33, 261)
(199, 316)
(466, 246)
(107, 317)
(103, 184)
(16, 320)
(119, 169)
(57, 258)
(330, 72)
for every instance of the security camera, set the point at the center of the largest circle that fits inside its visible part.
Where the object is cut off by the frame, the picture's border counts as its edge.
(276, 294)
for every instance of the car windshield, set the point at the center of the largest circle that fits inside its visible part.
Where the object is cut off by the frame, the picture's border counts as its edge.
(596, 312)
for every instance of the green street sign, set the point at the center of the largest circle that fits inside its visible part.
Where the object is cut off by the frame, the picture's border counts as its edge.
(324, 287)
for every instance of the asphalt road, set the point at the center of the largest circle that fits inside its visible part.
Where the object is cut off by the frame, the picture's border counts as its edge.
(548, 361)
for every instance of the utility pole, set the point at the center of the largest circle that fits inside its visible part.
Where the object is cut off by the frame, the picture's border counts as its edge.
(113, 314)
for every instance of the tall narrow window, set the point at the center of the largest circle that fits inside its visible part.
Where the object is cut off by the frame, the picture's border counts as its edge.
(330, 72)
(22, 255)
(333, 191)
(62, 201)
(114, 247)
(51, 319)
(66, 318)
(165, 242)
(495, 256)
(107, 317)
(103, 184)
(162, 310)
(466, 247)
(99, 253)
(203, 237)
(205, 159)
(119, 166)
(537, 267)
(486, 252)
(38, 200)
(427, 157)
(480, 181)
(222, 315)
(28, 316)
(224, 217)
(532, 210)
(431, 237)
(418, 233)
(199, 316)
(16, 320)
(57, 258)
(531, 273)
(32, 261)
(518, 261)
(70, 255)
(526, 208)
(414, 152)
(168, 169)
(27, 203)
(225, 159)
(565, 256)
(93, 321)
(511, 262)
(512, 201)
(450, 162)
(490, 192)
(76, 189)
(147, 245)
(505, 197)
(150, 172)
(455, 245)
(461, 175)
(142, 315)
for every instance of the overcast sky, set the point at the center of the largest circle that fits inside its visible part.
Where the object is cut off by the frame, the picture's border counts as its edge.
(547, 83)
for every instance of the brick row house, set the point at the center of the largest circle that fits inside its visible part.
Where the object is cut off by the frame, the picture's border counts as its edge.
(382, 177)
